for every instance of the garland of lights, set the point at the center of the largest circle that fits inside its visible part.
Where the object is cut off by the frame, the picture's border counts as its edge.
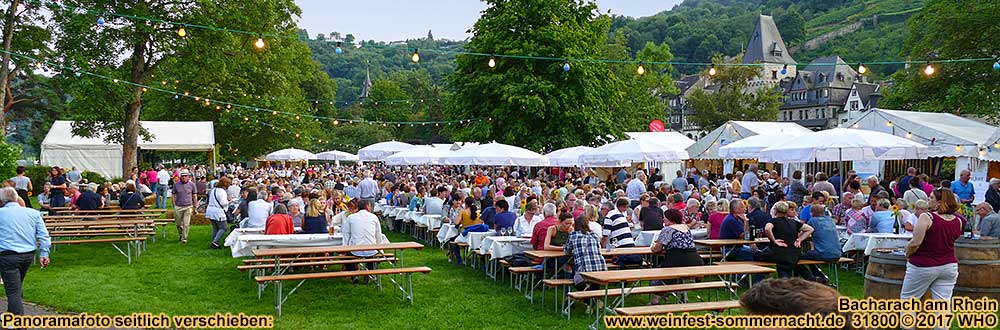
(230, 105)
(182, 32)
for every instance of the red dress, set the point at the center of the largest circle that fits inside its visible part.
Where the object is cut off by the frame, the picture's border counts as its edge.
(279, 224)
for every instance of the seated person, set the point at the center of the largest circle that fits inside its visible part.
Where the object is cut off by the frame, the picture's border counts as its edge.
(825, 241)
(791, 296)
(504, 218)
(882, 221)
(43, 198)
(258, 211)
(732, 228)
(526, 222)
(584, 247)
(130, 199)
(786, 236)
(316, 218)
(556, 235)
(362, 228)
(88, 200)
(279, 223)
(651, 217)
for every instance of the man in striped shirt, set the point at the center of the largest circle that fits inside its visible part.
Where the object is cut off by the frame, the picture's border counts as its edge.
(618, 234)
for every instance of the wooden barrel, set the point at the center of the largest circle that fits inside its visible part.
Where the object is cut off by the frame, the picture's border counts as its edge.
(884, 275)
(978, 268)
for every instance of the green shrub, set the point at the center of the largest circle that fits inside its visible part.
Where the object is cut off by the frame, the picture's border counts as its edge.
(94, 177)
(37, 174)
(9, 155)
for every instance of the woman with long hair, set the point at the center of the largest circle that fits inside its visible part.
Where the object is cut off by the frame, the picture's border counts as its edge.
(218, 202)
(316, 220)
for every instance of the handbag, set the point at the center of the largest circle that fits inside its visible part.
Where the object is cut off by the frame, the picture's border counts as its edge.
(230, 218)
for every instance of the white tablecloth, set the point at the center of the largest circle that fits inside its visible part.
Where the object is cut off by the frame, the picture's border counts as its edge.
(430, 220)
(475, 239)
(648, 237)
(842, 233)
(504, 246)
(871, 241)
(379, 207)
(243, 244)
(447, 231)
(414, 215)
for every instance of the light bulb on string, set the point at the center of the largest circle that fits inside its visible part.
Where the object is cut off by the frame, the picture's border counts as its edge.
(259, 43)
(996, 65)
(784, 69)
(416, 56)
(275, 113)
(640, 70)
(909, 135)
(100, 21)
(862, 69)
(958, 148)
(889, 123)
(336, 122)
(712, 71)
(491, 63)
(78, 73)
(566, 67)
(929, 69)
(181, 32)
(338, 50)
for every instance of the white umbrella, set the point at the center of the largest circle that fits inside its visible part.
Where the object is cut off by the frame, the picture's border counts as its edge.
(844, 144)
(495, 154)
(632, 151)
(337, 155)
(379, 151)
(290, 154)
(418, 155)
(567, 157)
(749, 148)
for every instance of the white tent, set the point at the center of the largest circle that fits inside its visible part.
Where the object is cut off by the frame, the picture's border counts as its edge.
(337, 155)
(495, 154)
(632, 151)
(61, 148)
(843, 144)
(940, 132)
(290, 154)
(708, 146)
(567, 157)
(673, 139)
(749, 148)
(379, 151)
(418, 155)
(992, 146)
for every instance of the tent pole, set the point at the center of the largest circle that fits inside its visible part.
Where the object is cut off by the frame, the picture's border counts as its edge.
(840, 152)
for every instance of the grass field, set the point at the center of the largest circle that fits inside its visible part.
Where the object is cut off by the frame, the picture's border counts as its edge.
(191, 279)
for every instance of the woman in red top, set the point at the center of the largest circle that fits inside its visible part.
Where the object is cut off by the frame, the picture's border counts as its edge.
(931, 262)
(715, 219)
(279, 223)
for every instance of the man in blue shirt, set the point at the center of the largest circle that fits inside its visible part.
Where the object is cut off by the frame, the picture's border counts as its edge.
(487, 215)
(964, 189)
(732, 228)
(504, 218)
(818, 198)
(826, 242)
(20, 229)
(882, 221)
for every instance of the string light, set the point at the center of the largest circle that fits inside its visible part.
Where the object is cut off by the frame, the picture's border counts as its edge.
(929, 69)
(958, 148)
(100, 21)
(640, 70)
(862, 69)
(260, 43)
(416, 56)
(784, 69)
(909, 135)
(338, 50)
(182, 32)
(888, 123)
(491, 63)
(996, 65)
(566, 67)
(711, 70)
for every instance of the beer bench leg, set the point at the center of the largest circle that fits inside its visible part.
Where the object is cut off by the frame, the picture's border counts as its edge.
(127, 252)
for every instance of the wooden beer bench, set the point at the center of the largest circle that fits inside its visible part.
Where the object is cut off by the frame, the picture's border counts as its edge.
(130, 232)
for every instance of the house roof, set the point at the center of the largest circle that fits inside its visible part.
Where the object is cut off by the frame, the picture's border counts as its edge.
(764, 41)
(826, 69)
(865, 91)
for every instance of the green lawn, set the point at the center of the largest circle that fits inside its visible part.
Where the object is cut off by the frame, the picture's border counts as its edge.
(191, 279)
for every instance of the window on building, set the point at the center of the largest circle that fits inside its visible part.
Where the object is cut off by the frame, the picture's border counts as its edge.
(826, 93)
(840, 76)
(855, 105)
(774, 74)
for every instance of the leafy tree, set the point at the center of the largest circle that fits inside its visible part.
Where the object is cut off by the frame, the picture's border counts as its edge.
(21, 34)
(730, 97)
(951, 29)
(535, 103)
(791, 24)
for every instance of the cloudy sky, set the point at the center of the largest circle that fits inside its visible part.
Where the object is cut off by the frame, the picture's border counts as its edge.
(388, 20)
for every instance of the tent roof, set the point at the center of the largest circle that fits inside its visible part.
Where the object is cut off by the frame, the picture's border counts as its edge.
(947, 130)
(669, 138)
(166, 135)
(708, 146)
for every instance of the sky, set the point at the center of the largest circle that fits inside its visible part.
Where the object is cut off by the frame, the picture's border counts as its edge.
(389, 20)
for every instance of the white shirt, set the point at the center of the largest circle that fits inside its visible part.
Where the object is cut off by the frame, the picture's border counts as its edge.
(524, 226)
(217, 204)
(257, 213)
(297, 201)
(635, 189)
(163, 177)
(361, 228)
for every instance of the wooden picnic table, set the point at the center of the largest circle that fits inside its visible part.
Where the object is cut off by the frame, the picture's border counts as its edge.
(336, 249)
(726, 242)
(99, 223)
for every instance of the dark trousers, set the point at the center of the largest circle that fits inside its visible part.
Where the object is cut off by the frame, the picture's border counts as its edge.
(13, 269)
(24, 195)
(368, 265)
(56, 199)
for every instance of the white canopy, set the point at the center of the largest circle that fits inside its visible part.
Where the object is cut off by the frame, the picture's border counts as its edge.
(61, 148)
(842, 144)
(381, 150)
(290, 154)
(418, 155)
(673, 139)
(567, 157)
(337, 155)
(495, 154)
(632, 151)
(749, 148)
(941, 132)
(708, 146)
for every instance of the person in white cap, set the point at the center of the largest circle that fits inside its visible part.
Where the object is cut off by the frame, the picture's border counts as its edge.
(185, 195)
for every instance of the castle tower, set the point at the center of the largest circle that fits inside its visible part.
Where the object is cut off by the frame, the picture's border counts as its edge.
(767, 47)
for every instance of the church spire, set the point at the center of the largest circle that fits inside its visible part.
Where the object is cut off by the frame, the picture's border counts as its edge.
(367, 85)
(766, 45)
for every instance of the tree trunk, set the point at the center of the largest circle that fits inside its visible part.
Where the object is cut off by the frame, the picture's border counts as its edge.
(8, 34)
(130, 138)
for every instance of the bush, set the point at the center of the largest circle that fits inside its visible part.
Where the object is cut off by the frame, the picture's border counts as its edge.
(94, 177)
(37, 174)
(9, 154)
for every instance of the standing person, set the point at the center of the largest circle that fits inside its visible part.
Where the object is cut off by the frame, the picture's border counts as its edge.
(22, 231)
(904, 183)
(218, 203)
(679, 183)
(964, 189)
(635, 189)
(796, 189)
(368, 188)
(931, 262)
(57, 188)
(837, 182)
(74, 175)
(22, 184)
(823, 184)
(749, 183)
(162, 181)
(185, 195)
